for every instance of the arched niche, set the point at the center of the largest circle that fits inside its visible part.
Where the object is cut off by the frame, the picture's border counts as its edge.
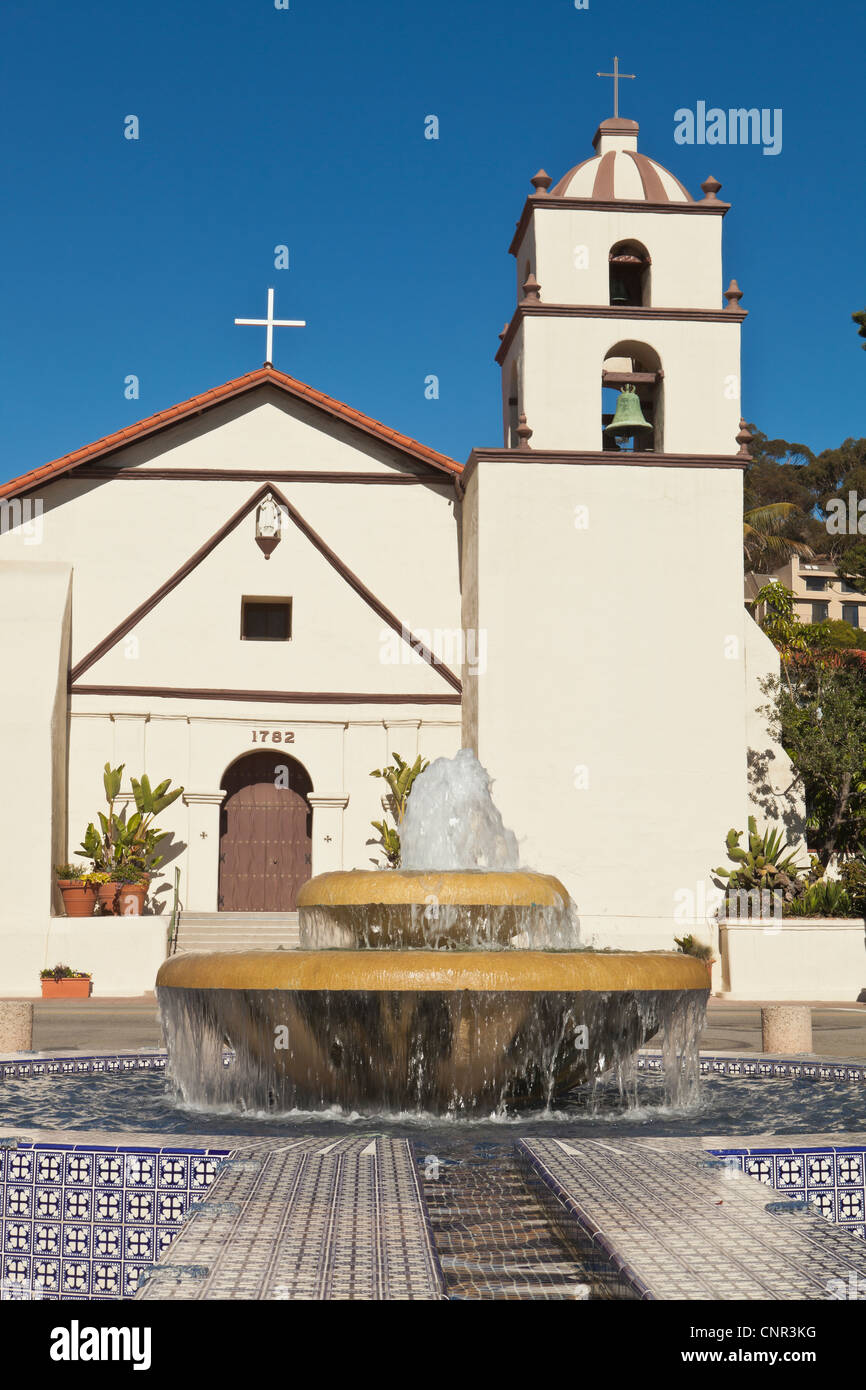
(629, 275)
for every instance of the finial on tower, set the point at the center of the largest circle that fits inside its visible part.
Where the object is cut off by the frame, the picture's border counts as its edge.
(744, 439)
(523, 432)
(541, 181)
(531, 290)
(733, 294)
(711, 187)
(616, 75)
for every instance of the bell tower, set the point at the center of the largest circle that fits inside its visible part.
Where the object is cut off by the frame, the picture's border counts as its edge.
(619, 283)
(603, 566)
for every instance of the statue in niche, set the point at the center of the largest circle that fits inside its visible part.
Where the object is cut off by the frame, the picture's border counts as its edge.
(269, 524)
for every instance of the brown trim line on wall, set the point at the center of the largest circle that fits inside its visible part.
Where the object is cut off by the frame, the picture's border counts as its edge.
(323, 548)
(252, 475)
(287, 697)
(636, 313)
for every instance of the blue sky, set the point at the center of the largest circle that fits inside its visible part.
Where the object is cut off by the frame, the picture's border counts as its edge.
(305, 127)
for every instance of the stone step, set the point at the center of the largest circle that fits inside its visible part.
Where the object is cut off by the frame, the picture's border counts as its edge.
(191, 941)
(237, 931)
(247, 919)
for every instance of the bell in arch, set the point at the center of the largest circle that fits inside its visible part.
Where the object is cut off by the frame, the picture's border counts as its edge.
(618, 291)
(628, 421)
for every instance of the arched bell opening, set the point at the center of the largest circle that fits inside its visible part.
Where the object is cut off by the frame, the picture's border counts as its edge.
(266, 829)
(629, 275)
(632, 396)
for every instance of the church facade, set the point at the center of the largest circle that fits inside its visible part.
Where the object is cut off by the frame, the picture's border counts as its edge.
(264, 594)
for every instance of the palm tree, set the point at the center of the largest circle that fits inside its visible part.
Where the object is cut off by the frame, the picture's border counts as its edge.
(765, 546)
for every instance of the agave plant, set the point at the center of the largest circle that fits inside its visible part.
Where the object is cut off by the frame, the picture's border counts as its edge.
(764, 866)
(826, 898)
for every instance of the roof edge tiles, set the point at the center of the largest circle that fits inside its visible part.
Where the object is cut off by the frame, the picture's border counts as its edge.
(196, 405)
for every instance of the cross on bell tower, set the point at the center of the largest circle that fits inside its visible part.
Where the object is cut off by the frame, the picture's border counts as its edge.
(616, 75)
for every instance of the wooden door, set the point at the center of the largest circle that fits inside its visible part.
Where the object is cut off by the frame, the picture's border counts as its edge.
(265, 836)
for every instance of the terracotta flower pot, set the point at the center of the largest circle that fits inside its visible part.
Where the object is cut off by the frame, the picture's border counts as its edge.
(66, 989)
(130, 899)
(79, 899)
(107, 893)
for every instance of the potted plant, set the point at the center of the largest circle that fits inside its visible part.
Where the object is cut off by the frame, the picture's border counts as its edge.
(123, 850)
(701, 950)
(77, 890)
(63, 983)
(131, 885)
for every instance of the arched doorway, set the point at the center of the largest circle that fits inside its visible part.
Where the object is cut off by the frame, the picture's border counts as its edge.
(265, 834)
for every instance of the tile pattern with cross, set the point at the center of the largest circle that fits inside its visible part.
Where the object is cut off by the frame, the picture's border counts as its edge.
(86, 1220)
(831, 1176)
(18, 1065)
(667, 1221)
(763, 1067)
(311, 1219)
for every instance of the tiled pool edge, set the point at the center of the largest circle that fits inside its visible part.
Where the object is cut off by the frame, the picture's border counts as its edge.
(756, 1066)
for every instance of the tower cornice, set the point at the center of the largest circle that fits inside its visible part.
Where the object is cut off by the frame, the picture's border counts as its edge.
(595, 458)
(711, 207)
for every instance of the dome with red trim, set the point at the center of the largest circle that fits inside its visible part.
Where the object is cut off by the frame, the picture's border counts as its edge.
(618, 173)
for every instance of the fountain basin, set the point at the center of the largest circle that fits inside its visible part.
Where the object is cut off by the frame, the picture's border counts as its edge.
(434, 909)
(403, 1030)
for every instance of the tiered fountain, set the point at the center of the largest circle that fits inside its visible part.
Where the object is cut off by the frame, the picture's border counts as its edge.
(457, 983)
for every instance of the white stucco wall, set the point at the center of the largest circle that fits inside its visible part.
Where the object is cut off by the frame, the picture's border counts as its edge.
(775, 796)
(611, 711)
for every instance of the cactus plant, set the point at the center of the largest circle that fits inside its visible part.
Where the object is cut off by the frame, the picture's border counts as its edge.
(764, 866)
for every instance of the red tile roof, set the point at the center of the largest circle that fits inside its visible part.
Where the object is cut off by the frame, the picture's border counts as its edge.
(241, 384)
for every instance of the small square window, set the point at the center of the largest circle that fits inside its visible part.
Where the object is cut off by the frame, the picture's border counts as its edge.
(820, 612)
(266, 619)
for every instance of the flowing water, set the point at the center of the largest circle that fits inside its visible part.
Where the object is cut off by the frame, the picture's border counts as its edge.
(428, 1040)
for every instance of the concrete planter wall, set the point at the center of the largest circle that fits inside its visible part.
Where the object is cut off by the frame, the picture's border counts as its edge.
(122, 954)
(818, 958)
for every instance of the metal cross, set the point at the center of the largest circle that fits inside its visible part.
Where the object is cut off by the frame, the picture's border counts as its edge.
(270, 323)
(616, 75)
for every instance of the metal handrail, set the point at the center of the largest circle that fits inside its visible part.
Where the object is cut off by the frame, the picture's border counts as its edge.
(175, 914)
